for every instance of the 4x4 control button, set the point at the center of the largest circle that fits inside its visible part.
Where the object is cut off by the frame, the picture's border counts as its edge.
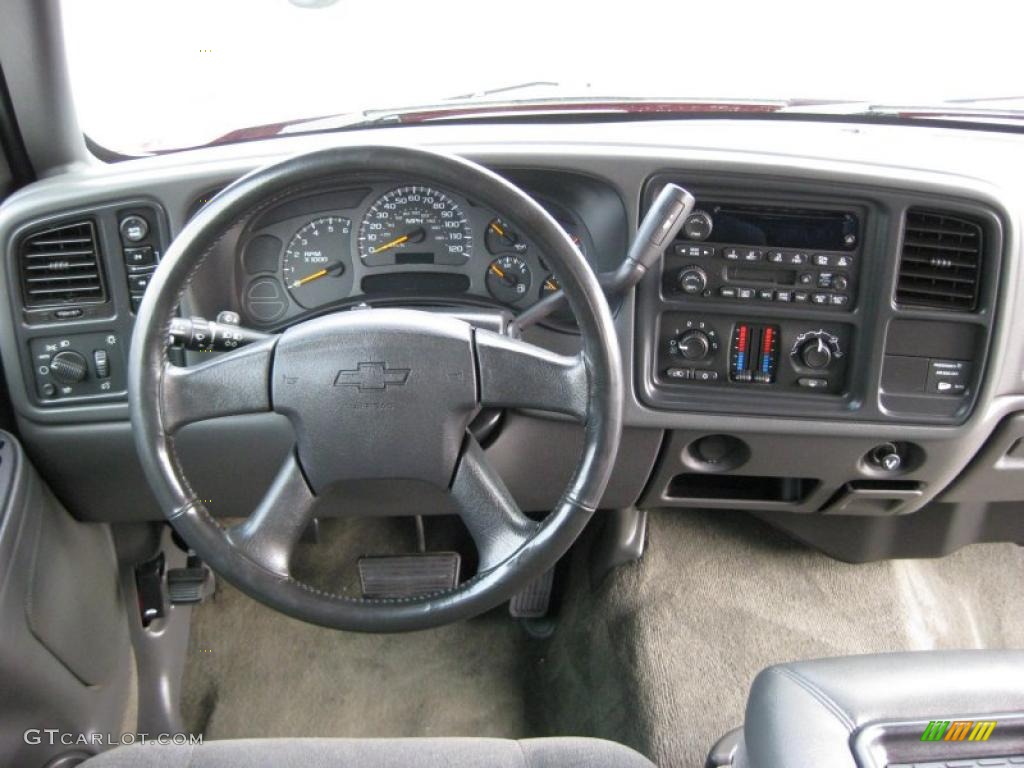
(140, 257)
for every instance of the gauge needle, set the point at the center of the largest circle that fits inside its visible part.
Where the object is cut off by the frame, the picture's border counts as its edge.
(511, 280)
(497, 229)
(551, 284)
(409, 237)
(336, 267)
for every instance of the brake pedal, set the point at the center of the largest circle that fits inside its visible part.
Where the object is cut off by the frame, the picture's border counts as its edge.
(188, 585)
(409, 575)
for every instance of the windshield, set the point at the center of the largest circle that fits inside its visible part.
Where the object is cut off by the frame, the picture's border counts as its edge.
(157, 75)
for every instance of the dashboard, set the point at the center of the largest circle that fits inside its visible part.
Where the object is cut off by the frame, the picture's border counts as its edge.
(827, 344)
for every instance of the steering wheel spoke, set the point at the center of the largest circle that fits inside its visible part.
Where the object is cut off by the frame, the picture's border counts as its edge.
(517, 374)
(231, 384)
(495, 522)
(270, 534)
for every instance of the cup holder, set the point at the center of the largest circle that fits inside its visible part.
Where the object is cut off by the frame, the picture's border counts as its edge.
(716, 453)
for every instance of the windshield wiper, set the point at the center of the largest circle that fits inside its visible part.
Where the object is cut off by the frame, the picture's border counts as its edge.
(505, 89)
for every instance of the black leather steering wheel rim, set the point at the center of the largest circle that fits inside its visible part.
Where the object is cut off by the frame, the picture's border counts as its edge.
(155, 393)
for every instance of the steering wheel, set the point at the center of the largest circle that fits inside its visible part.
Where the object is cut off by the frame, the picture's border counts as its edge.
(377, 393)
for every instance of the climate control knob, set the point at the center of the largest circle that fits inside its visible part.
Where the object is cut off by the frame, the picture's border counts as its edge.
(693, 280)
(68, 367)
(816, 353)
(694, 345)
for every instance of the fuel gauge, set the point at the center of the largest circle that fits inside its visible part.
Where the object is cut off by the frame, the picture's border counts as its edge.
(508, 278)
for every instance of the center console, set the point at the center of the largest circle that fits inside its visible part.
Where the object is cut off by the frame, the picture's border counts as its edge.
(814, 301)
(755, 258)
(755, 298)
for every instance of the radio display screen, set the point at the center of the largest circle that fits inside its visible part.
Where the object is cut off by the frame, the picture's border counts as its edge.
(784, 227)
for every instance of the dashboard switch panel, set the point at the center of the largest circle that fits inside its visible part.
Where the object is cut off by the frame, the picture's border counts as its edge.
(76, 366)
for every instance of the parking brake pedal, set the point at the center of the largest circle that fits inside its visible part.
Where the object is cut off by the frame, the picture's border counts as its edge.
(188, 585)
(409, 575)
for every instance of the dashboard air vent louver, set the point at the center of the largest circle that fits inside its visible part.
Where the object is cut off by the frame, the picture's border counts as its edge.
(940, 264)
(61, 266)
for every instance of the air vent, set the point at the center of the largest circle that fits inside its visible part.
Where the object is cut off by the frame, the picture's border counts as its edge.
(941, 262)
(61, 266)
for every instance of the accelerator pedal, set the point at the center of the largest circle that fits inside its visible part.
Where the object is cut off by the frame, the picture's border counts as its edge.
(533, 601)
(409, 575)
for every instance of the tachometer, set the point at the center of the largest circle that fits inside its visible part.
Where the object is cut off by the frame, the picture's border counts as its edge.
(415, 225)
(317, 262)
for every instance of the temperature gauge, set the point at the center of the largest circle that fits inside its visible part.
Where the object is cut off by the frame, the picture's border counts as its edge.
(501, 238)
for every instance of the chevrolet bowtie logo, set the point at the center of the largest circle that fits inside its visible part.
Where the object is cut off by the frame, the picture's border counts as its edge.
(371, 377)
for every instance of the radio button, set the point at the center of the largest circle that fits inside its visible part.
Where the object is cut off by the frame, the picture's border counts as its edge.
(753, 255)
(840, 282)
(820, 298)
(727, 293)
(692, 280)
(844, 261)
(776, 257)
(801, 297)
(807, 278)
(681, 249)
(821, 259)
(798, 258)
(839, 300)
(732, 254)
(783, 296)
(698, 226)
(824, 279)
(744, 293)
(766, 294)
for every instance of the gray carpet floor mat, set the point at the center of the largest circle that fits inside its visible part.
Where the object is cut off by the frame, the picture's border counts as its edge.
(680, 635)
(660, 656)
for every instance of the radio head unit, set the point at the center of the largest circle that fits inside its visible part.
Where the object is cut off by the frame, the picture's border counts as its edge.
(774, 227)
(756, 253)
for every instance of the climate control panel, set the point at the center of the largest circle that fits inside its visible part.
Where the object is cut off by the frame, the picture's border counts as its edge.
(753, 354)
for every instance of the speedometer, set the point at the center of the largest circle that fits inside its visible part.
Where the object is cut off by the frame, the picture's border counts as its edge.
(415, 225)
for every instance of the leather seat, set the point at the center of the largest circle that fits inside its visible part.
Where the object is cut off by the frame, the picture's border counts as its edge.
(875, 709)
(377, 753)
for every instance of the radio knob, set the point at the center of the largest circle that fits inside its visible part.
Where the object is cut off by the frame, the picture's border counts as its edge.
(692, 280)
(698, 226)
(816, 353)
(68, 367)
(694, 345)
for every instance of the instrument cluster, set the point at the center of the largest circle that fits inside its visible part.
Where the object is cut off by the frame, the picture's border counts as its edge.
(408, 242)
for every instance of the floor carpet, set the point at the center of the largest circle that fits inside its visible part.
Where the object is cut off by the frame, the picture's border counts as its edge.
(719, 596)
(660, 656)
